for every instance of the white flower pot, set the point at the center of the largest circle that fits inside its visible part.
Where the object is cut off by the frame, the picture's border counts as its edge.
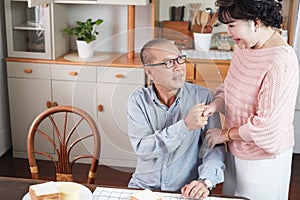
(202, 41)
(85, 50)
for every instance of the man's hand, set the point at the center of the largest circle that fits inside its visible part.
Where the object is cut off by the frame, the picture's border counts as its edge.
(195, 118)
(195, 190)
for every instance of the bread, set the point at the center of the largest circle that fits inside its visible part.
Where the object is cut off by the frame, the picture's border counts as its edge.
(145, 195)
(69, 191)
(44, 191)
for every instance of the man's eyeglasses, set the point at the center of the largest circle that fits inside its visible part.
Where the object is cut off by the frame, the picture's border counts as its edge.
(171, 62)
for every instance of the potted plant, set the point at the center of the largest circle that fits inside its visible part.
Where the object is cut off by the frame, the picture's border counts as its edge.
(85, 35)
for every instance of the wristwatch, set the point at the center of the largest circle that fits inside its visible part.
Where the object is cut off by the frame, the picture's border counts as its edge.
(207, 183)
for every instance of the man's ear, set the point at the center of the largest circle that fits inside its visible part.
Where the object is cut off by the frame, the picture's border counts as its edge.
(148, 72)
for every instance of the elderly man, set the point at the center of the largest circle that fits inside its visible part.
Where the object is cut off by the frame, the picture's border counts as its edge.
(167, 129)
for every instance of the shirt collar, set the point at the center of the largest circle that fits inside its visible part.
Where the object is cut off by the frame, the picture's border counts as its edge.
(157, 101)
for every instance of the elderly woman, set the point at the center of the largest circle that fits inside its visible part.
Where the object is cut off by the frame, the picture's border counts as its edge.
(258, 99)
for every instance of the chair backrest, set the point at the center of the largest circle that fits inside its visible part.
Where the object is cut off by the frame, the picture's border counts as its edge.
(69, 127)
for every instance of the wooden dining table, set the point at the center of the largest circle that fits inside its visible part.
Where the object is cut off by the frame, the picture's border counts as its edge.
(12, 188)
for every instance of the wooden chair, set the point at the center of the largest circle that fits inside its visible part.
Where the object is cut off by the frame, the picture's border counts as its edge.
(64, 136)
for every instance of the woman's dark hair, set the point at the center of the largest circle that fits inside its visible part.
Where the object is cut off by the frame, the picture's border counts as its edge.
(268, 11)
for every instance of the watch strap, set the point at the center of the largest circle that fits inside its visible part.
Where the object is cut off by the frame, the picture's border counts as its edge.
(207, 183)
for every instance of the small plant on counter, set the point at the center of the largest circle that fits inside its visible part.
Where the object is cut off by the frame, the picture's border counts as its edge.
(84, 31)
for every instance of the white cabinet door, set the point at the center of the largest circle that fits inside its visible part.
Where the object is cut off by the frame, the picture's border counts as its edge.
(29, 88)
(28, 30)
(35, 32)
(115, 85)
(81, 95)
(112, 2)
(124, 2)
(32, 3)
(116, 149)
(27, 99)
(76, 86)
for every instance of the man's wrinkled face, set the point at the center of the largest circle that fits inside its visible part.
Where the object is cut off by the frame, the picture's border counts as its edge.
(172, 78)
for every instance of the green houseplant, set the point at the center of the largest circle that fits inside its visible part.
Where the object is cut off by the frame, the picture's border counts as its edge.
(84, 31)
(85, 34)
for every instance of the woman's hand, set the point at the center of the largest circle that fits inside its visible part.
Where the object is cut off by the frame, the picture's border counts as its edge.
(215, 106)
(215, 136)
(195, 190)
(210, 110)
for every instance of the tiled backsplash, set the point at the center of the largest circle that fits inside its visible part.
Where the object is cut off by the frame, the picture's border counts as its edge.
(212, 54)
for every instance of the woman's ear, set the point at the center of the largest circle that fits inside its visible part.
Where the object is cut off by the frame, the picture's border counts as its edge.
(257, 24)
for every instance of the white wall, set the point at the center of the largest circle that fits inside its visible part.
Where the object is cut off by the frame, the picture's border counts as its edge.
(297, 132)
(165, 5)
(5, 138)
(113, 30)
(297, 113)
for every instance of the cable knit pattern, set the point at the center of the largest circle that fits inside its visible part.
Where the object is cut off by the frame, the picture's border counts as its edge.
(260, 93)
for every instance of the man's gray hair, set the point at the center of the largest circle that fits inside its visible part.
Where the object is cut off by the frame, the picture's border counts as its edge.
(145, 54)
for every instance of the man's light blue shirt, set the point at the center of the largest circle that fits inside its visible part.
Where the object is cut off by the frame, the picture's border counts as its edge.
(169, 155)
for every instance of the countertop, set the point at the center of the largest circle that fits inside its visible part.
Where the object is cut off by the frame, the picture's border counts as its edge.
(122, 60)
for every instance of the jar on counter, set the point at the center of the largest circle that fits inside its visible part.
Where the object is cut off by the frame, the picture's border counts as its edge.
(224, 42)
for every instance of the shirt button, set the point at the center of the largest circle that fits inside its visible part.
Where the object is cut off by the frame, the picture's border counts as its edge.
(164, 166)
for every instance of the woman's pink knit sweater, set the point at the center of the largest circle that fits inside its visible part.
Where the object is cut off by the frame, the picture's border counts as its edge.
(260, 92)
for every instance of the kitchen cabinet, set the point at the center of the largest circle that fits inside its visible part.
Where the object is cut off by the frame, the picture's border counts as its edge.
(206, 72)
(190, 72)
(110, 2)
(211, 73)
(114, 86)
(35, 27)
(32, 89)
(100, 91)
(29, 89)
(35, 32)
(75, 85)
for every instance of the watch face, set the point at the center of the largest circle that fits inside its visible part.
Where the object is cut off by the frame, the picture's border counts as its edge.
(208, 184)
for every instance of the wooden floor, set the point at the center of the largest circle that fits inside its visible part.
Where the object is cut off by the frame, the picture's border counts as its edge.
(16, 167)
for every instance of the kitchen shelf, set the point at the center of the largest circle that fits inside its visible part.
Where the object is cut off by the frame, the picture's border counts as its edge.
(25, 26)
(108, 2)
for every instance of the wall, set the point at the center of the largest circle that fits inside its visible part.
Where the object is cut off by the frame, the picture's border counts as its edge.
(297, 113)
(164, 12)
(5, 138)
(165, 5)
(113, 31)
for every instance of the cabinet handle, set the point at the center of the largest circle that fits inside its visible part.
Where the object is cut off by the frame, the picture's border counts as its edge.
(48, 104)
(119, 76)
(28, 70)
(73, 73)
(54, 104)
(100, 108)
